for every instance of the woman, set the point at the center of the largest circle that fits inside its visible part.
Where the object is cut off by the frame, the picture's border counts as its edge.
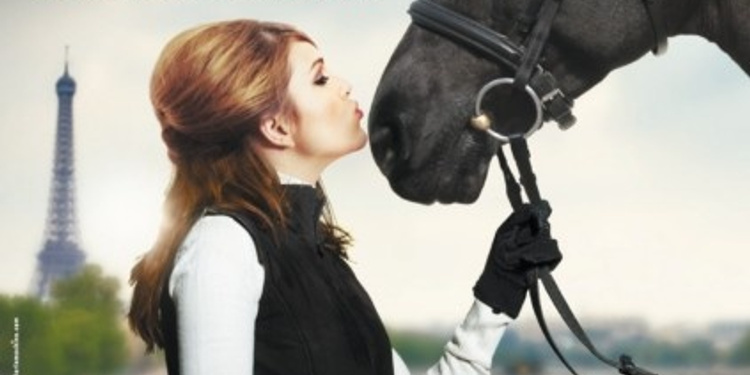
(247, 276)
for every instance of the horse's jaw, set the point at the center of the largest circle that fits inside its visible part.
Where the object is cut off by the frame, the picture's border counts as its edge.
(427, 157)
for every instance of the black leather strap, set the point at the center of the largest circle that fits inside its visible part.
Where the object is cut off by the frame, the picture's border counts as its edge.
(498, 48)
(536, 42)
(512, 189)
(526, 173)
(522, 158)
(466, 32)
(625, 364)
(536, 304)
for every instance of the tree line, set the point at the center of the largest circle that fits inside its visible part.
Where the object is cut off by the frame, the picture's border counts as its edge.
(79, 331)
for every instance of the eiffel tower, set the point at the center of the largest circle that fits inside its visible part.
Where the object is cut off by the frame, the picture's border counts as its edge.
(61, 256)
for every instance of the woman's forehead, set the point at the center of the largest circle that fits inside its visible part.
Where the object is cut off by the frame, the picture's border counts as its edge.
(303, 57)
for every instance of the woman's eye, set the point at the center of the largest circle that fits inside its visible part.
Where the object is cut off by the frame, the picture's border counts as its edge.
(321, 80)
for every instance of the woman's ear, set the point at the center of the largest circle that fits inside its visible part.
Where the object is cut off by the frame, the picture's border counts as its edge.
(277, 132)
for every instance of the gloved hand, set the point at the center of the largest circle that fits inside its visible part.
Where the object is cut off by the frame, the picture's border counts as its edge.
(522, 243)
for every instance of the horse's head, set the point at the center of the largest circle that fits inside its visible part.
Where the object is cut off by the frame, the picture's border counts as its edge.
(419, 121)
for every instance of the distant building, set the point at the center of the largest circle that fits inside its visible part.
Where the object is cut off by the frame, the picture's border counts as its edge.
(727, 334)
(61, 255)
(604, 332)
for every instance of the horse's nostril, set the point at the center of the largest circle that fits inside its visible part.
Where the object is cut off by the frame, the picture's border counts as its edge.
(381, 141)
(389, 142)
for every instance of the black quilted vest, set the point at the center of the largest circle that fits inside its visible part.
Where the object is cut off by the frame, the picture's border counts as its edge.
(314, 316)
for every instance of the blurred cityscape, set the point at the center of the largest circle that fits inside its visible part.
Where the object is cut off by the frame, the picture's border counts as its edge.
(719, 348)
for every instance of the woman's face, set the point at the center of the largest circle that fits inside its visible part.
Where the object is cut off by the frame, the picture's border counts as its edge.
(328, 119)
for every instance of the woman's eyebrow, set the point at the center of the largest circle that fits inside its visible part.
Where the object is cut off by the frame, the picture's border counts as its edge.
(318, 61)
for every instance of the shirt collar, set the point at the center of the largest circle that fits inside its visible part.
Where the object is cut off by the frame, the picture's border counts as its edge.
(286, 179)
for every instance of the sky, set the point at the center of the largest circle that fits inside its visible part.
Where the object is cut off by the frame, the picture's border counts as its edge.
(648, 189)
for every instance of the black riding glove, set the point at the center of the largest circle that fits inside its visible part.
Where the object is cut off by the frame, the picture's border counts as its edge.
(522, 243)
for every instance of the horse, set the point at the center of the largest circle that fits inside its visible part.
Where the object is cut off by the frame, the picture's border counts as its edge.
(420, 121)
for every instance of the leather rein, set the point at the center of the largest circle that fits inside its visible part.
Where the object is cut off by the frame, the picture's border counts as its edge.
(548, 100)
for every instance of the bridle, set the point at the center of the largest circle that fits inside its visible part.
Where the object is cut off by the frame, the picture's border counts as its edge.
(531, 77)
(549, 102)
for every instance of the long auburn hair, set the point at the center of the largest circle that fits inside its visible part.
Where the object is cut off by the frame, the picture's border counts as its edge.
(210, 88)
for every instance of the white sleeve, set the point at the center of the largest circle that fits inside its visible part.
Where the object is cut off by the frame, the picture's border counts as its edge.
(473, 345)
(216, 285)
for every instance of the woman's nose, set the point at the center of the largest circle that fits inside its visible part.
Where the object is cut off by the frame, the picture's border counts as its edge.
(346, 87)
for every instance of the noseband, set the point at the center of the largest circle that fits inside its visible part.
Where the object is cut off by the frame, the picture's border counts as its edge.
(531, 78)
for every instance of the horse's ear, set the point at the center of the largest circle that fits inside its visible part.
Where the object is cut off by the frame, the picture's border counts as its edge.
(277, 132)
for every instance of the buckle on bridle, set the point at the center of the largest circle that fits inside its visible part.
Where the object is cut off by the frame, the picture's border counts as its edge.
(552, 95)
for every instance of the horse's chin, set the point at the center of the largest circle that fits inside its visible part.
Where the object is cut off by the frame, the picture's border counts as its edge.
(427, 188)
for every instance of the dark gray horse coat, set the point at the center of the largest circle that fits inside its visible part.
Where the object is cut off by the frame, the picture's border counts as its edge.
(418, 125)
